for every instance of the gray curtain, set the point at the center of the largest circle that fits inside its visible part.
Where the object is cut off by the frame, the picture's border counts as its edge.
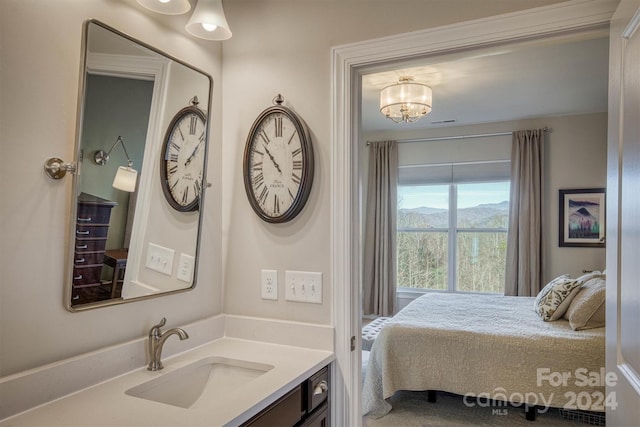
(525, 240)
(379, 276)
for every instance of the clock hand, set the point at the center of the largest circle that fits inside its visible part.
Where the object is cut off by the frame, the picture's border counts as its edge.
(192, 154)
(272, 159)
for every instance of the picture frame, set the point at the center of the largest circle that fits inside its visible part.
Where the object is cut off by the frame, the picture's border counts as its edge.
(582, 217)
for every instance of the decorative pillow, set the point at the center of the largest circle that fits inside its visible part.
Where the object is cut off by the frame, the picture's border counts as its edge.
(591, 275)
(554, 299)
(587, 310)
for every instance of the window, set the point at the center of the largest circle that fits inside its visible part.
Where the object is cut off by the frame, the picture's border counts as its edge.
(453, 236)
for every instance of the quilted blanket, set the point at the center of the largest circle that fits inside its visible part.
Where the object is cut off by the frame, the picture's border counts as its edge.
(487, 346)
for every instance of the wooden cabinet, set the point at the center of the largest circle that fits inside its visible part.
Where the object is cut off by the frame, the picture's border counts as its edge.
(306, 405)
(92, 227)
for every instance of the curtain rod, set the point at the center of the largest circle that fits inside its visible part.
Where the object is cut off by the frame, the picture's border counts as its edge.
(445, 138)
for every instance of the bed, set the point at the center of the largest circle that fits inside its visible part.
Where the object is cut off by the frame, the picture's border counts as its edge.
(487, 346)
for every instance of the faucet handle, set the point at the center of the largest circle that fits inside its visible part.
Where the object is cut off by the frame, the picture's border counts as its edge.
(155, 330)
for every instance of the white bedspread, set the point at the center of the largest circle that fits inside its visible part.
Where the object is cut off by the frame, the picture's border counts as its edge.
(483, 345)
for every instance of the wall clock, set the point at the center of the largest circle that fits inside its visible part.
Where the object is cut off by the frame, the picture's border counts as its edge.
(278, 164)
(183, 158)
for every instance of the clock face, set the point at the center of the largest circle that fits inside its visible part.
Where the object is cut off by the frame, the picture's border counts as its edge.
(278, 165)
(183, 159)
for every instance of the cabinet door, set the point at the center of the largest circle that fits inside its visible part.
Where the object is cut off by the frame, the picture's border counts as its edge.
(286, 412)
(319, 418)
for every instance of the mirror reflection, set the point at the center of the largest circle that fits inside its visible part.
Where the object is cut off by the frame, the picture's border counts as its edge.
(128, 241)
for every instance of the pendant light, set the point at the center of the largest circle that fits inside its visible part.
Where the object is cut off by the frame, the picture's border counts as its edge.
(208, 21)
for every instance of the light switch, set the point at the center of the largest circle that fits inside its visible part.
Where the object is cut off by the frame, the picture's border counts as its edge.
(160, 259)
(303, 286)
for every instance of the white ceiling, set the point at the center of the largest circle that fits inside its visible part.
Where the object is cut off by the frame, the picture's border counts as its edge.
(527, 80)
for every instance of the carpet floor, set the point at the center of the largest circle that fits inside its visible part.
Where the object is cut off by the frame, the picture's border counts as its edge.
(411, 409)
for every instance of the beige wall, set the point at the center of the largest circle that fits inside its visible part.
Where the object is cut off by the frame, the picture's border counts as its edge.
(278, 46)
(575, 157)
(41, 47)
(284, 47)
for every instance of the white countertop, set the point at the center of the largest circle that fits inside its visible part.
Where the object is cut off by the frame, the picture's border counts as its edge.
(107, 405)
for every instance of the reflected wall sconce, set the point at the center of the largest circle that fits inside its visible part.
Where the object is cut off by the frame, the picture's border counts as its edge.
(207, 21)
(167, 7)
(126, 177)
(405, 101)
(56, 168)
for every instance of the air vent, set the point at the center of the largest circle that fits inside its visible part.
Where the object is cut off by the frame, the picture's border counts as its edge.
(443, 122)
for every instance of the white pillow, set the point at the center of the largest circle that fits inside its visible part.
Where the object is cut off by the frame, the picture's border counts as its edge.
(587, 310)
(554, 299)
(591, 275)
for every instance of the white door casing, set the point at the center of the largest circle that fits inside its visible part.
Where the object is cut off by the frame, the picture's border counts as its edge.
(623, 217)
(348, 64)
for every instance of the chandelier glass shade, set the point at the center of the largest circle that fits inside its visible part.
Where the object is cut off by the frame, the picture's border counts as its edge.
(405, 101)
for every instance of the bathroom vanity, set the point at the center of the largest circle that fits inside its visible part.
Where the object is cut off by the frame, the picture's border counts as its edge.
(226, 382)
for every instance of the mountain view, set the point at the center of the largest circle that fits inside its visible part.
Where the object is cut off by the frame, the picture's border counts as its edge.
(489, 215)
(480, 260)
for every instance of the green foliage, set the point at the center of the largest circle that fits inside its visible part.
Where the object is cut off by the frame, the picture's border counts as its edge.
(423, 255)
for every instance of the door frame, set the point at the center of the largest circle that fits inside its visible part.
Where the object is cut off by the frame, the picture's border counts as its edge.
(348, 63)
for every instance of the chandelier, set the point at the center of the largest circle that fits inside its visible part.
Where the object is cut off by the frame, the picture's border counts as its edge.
(405, 101)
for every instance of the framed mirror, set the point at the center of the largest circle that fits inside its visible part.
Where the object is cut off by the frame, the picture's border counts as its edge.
(138, 191)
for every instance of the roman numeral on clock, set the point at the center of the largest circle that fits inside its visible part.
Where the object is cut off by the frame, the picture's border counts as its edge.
(263, 195)
(278, 123)
(264, 136)
(192, 125)
(258, 180)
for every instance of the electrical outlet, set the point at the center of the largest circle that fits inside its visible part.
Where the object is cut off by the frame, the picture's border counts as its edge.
(185, 268)
(269, 284)
(160, 259)
(303, 286)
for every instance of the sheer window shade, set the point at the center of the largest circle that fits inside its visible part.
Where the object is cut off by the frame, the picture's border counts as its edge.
(498, 170)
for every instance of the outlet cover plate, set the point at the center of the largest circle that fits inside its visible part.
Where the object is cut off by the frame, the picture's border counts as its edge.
(269, 284)
(185, 268)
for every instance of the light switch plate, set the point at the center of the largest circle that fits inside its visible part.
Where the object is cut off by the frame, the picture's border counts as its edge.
(160, 259)
(303, 286)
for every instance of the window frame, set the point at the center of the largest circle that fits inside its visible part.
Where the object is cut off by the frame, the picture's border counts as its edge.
(452, 237)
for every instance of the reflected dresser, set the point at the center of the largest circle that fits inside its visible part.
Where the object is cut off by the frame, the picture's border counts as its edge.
(92, 227)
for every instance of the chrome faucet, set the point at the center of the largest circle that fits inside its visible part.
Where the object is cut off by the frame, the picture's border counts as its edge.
(156, 341)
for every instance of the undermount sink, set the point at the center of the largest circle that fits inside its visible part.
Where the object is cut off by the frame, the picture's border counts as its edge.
(184, 386)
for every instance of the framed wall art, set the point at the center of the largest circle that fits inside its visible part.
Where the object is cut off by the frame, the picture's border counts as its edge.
(582, 217)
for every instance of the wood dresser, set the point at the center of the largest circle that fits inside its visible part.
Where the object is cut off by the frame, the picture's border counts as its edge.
(92, 227)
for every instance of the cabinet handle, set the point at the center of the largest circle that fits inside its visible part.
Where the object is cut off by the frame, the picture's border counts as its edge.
(84, 219)
(320, 388)
(78, 261)
(82, 246)
(82, 232)
(78, 277)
